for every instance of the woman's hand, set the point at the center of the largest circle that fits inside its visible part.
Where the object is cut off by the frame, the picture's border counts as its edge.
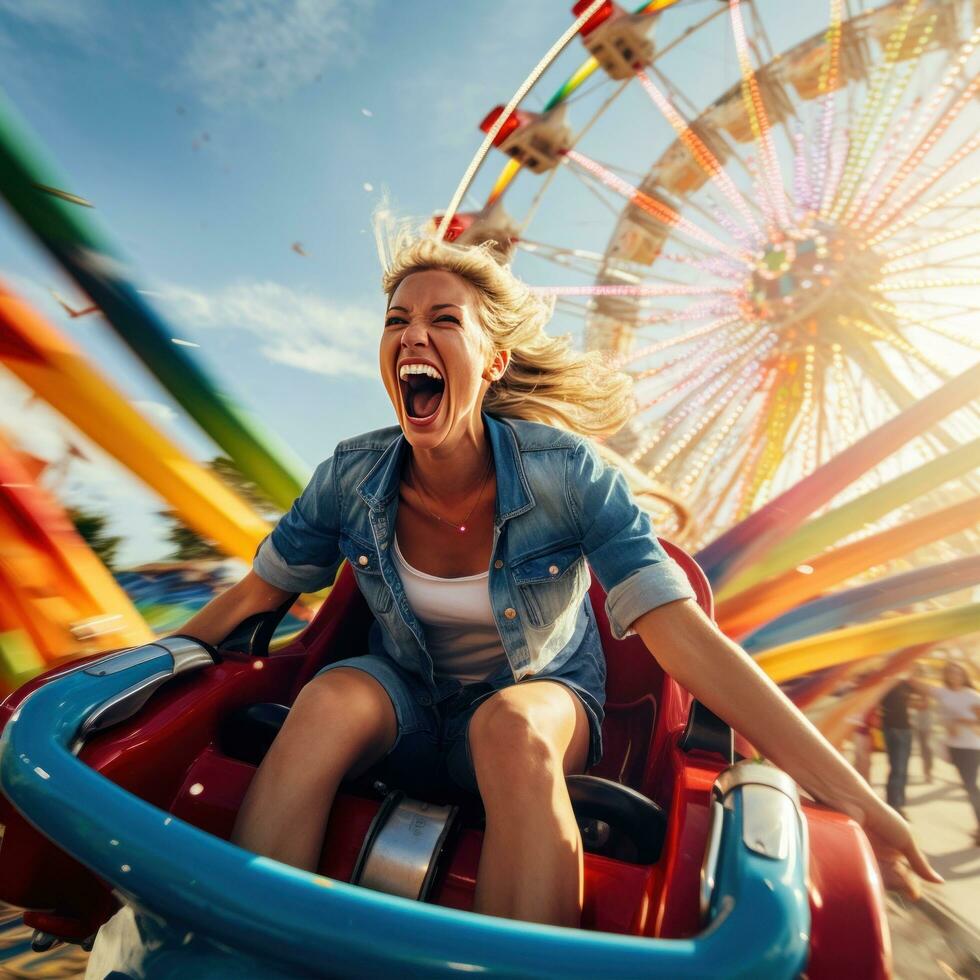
(903, 865)
(695, 653)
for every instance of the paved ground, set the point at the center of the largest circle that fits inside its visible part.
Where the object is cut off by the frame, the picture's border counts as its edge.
(941, 936)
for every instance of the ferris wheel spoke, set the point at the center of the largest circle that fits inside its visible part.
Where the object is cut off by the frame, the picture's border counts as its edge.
(913, 217)
(747, 482)
(916, 359)
(589, 263)
(602, 81)
(876, 167)
(827, 84)
(880, 104)
(737, 361)
(729, 146)
(678, 456)
(948, 265)
(596, 188)
(877, 109)
(638, 289)
(684, 338)
(595, 263)
(916, 192)
(885, 379)
(720, 442)
(655, 208)
(723, 222)
(916, 285)
(897, 342)
(924, 244)
(911, 154)
(758, 117)
(961, 308)
(699, 150)
(720, 336)
(932, 326)
(732, 337)
(698, 371)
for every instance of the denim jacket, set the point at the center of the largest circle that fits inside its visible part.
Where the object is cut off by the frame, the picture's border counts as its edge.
(559, 511)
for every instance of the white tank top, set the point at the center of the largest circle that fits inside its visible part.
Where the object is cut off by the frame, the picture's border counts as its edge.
(457, 618)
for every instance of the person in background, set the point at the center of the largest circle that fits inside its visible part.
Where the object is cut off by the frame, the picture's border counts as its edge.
(863, 746)
(959, 707)
(923, 724)
(897, 727)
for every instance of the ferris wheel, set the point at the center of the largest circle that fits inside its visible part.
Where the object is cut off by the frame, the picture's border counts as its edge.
(796, 262)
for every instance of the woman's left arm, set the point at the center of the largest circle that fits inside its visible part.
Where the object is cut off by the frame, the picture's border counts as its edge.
(720, 674)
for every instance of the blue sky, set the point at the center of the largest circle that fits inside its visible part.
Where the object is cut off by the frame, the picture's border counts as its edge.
(212, 135)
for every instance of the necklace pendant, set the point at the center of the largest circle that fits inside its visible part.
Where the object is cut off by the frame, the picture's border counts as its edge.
(462, 528)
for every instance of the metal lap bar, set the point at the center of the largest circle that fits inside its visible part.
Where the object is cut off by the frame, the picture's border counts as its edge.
(402, 847)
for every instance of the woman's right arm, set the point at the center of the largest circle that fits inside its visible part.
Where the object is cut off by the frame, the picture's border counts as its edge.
(300, 555)
(223, 613)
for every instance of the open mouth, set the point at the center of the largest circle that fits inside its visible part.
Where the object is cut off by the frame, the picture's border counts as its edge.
(422, 395)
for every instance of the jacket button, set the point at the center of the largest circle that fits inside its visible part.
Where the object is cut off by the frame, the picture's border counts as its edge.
(553, 569)
(498, 564)
(510, 612)
(362, 561)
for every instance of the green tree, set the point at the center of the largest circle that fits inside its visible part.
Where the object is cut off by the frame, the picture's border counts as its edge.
(187, 544)
(92, 527)
(229, 474)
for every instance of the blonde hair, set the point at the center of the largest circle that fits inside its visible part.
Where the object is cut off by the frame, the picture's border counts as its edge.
(546, 379)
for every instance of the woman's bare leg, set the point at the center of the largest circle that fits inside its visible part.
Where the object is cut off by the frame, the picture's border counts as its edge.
(342, 722)
(524, 740)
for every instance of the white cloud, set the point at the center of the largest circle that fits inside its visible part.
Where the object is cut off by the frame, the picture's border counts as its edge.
(157, 410)
(255, 51)
(296, 328)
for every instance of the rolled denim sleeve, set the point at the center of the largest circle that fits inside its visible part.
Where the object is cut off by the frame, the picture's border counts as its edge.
(302, 554)
(620, 543)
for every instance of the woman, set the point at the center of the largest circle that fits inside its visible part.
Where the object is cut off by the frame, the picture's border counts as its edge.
(959, 706)
(923, 726)
(468, 527)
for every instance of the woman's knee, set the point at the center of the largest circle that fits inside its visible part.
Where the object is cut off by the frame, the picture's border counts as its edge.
(511, 740)
(346, 704)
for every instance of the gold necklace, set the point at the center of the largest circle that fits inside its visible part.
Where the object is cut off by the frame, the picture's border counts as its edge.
(459, 527)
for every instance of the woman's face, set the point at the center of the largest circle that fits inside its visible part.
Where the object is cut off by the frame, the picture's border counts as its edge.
(954, 676)
(432, 320)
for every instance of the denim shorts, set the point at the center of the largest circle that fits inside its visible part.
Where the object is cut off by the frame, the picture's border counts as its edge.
(431, 754)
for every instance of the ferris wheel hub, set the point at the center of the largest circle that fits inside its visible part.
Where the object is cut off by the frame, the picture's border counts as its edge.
(816, 270)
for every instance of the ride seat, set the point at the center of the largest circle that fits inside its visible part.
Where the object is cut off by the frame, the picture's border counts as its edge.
(632, 677)
(616, 819)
